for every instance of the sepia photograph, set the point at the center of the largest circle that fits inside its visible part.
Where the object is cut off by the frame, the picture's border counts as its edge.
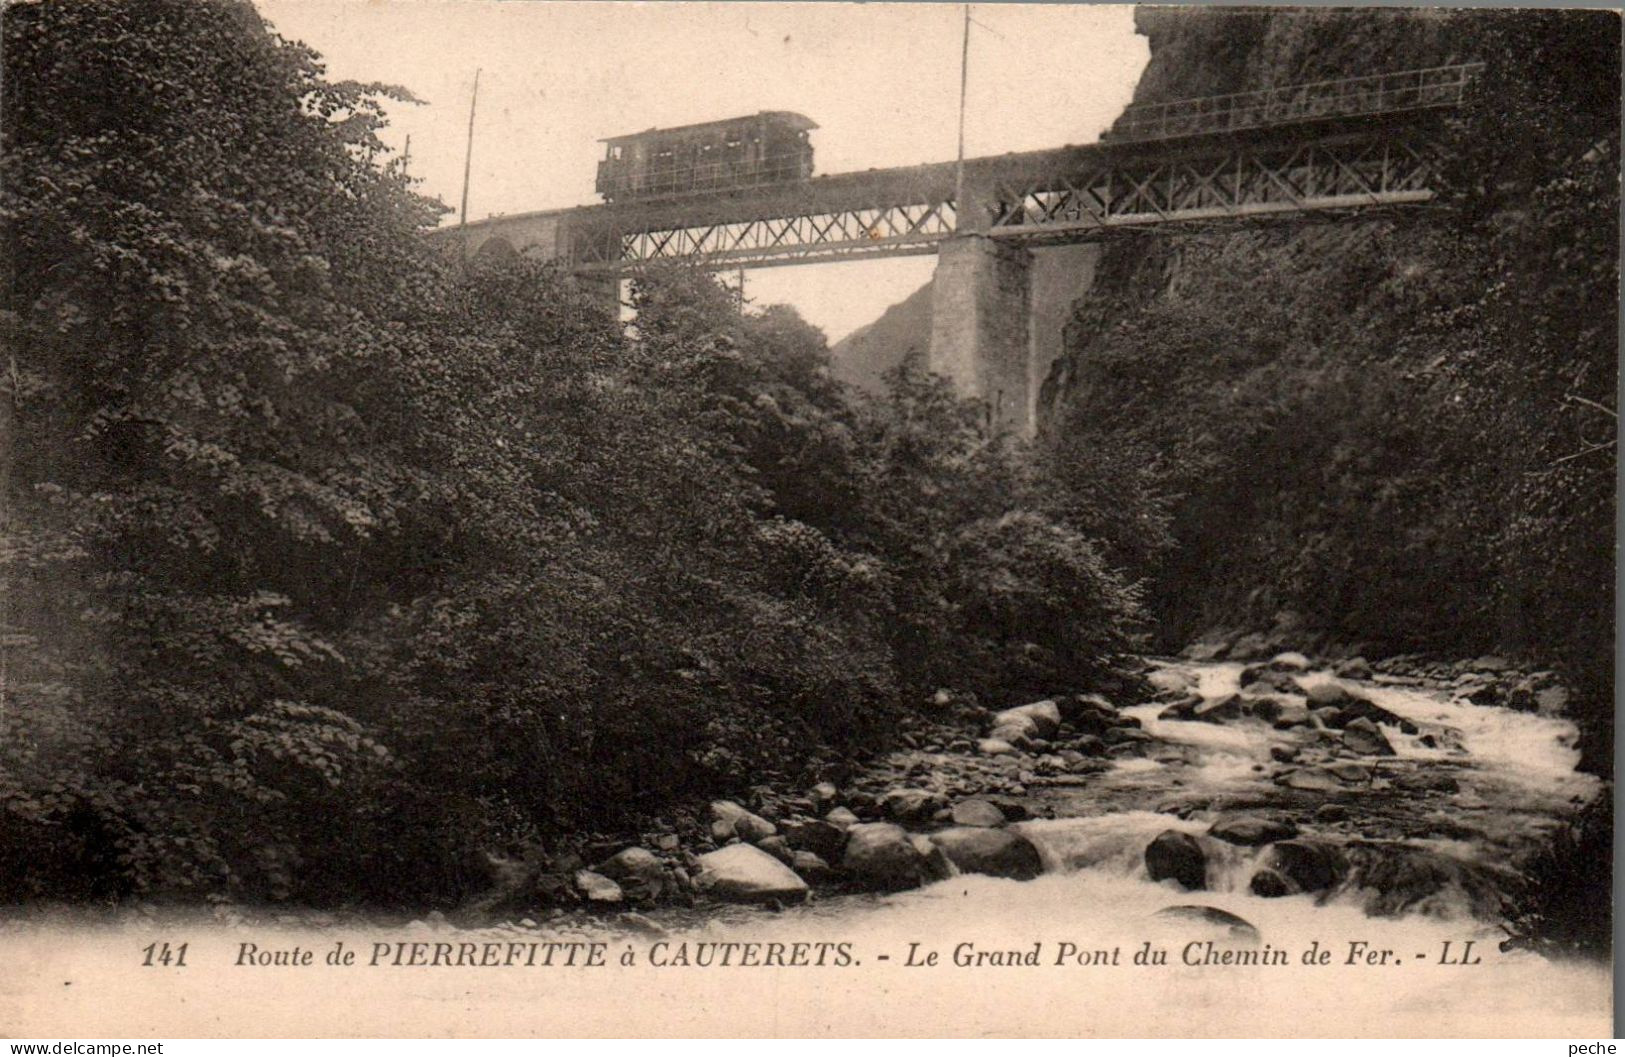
(803, 520)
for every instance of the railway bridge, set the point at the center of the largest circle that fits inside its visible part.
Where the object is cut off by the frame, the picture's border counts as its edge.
(1321, 150)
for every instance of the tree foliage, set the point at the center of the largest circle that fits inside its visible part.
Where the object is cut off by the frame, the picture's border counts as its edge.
(331, 563)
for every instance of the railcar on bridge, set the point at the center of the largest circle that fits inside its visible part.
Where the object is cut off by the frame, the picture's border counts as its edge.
(770, 147)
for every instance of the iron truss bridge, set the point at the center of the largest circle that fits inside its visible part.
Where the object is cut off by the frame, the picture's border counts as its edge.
(1318, 149)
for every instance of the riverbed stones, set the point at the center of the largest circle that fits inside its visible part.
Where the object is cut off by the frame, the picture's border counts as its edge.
(995, 747)
(597, 888)
(1041, 719)
(1329, 692)
(639, 873)
(977, 812)
(1181, 707)
(821, 837)
(1084, 711)
(1178, 856)
(1364, 737)
(1221, 709)
(1290, 661)
(1169, 681)
(727, 816)
(880, 854)
(811, 867)
(741, 873)
(934, 862)
(1310, 780)
(779, 848)
(824, 796)
(841, 817)
(996, 852)
(1251, 830)
(1354, 668)
(1262, 677)
(1305, 866)
(912, 807)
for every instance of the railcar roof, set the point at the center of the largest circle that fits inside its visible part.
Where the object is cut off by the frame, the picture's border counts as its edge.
(799, 122)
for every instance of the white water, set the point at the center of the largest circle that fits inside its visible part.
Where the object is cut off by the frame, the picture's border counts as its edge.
(1097, 895)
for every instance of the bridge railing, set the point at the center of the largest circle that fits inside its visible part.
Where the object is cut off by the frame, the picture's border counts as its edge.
(1438, 86)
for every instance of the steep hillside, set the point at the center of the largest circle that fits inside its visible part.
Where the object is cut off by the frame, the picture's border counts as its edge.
(863, 357)
(1400, 428)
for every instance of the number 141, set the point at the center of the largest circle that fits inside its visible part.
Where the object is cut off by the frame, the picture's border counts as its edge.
(164, 954)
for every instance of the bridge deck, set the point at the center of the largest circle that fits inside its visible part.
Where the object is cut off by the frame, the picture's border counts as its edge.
(1333, 145)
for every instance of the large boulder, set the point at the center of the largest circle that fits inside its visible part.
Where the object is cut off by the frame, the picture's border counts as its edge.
(1289, 661)
(1251, 830)
(977, 813)
(1359, 707)
(1262, 677)
(880, 854)
(1014, 810)
(1181, 708)
(1327, 693)
(822, 838)
(934, 862)
(1365, 738)
(1310, 780)
(1293, 866)
(1042, 718)
(729, 817)
(912, 807)
(641, 875)
(1170, 681)
(811, 867)
(998, 852)
(740, 873)
(1222, 709)
(597, 888)
(1177, 856)
(1088, 713)
(779, 848)
(841, 817)
(1234, 926)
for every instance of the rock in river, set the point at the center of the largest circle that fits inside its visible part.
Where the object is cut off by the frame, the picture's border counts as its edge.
(1303, 866)
(743, 874)
(823, 838)
(1177, 856)
(912, 807)
(977, 813)
(639, 873)
(1252, 830)
(880, 854)
(597, 888)
(725, 814)
(1366, 738)
(998, 852)
(1041, 719)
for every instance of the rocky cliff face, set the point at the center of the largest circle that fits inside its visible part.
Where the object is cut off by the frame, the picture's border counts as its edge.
(1216, 51)
(1397, 427)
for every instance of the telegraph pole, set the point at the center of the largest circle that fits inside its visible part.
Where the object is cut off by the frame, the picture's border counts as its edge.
(468, 158)
(959, 163)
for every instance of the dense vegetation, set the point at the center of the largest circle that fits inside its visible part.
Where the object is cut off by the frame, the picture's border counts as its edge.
(1402, 430)
(330, 563)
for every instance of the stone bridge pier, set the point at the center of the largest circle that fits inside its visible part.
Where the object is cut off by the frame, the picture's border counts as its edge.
(998, 318)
